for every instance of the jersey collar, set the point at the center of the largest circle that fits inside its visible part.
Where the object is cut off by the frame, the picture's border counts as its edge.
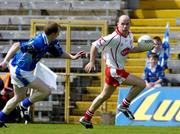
(45, 38)
(119, 33)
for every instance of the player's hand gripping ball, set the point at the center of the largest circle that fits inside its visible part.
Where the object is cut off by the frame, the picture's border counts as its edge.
(145, 43)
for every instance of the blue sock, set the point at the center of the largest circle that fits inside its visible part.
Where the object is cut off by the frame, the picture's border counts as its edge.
(3, 116)
(26, 103)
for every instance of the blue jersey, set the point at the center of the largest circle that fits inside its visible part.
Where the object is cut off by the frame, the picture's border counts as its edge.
(153, 76)
(162, 57)
(32, 51)
(148, 54)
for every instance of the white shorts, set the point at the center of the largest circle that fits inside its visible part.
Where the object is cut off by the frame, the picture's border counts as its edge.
(19, 77)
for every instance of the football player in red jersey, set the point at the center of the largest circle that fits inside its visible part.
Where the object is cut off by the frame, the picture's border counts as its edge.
(115, 48)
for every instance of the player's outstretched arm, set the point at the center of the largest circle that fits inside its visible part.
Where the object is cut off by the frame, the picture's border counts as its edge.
(136, 50)
(91, 63)
(79, 54)
(15, 47)
(66, 55)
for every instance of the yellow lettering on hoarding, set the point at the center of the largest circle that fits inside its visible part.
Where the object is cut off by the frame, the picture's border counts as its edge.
(159, 114)
(177, 118)
(140, 113)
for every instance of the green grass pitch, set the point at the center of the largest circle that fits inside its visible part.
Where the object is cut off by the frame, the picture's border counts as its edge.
(78, 129)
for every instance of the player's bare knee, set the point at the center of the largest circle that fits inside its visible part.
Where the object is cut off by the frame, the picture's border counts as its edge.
(47, 92)
(142, 85)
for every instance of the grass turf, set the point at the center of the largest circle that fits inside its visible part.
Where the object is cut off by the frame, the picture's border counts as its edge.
(78, 129)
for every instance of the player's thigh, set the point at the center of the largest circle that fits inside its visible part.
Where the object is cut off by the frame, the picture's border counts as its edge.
(39, 85)
(20, 93)
(134, 80)
(108, 90)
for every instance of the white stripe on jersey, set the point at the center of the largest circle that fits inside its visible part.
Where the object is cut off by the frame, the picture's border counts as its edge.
(45, 38)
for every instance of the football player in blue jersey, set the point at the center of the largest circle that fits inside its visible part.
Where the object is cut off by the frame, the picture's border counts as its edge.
(22, 58)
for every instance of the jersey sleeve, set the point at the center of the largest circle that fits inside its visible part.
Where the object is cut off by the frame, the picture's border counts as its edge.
(55, 49)
(148, 54)
(146, 74)
(103, 42)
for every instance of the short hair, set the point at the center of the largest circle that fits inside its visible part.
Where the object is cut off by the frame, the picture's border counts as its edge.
(51, 27)
(157, 38)
(154, 56)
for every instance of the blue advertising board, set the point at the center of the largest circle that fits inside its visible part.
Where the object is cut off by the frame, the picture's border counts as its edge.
(153, 107)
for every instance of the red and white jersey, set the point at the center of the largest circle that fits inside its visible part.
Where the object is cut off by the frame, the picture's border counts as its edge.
(115, 48)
